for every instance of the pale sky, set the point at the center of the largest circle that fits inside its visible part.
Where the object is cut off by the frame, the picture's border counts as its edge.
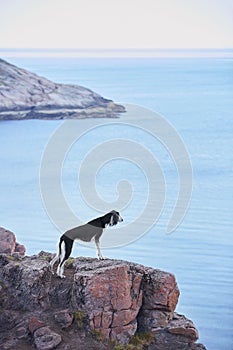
(114, 24)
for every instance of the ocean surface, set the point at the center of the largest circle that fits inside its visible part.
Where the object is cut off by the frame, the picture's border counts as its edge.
(192, 95)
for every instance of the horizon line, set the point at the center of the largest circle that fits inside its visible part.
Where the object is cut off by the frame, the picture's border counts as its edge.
(116, 52)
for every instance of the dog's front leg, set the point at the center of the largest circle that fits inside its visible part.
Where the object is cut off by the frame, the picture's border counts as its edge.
(97, 242)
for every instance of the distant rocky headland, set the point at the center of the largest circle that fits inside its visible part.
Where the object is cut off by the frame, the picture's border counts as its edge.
(100, 305)
(25, 95)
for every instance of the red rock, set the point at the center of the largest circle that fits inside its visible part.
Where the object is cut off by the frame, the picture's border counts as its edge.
(111, 286)
(189, 332)
(113, 297)
(161, 292)
(64, 318)
(122, 284)
(106, 319)
(7, 241)
(124, 317)
(20, 248)
(8, 244)
(97, 320)
(160, 297)
(122, 290)
(152, 320)
(123, 334)
(180, 333)
(180, 325)
(35, 324)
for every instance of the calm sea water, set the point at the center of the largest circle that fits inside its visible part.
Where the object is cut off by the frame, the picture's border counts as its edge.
(196, 97)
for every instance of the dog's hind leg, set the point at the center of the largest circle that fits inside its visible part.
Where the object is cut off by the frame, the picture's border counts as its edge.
(61, 257)
(66, 248)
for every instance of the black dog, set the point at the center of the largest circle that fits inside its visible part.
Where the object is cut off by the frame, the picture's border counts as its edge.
(93, 229)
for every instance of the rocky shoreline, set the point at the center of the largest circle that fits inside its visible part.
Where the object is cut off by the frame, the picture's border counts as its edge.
(25, 95)
(108, 304)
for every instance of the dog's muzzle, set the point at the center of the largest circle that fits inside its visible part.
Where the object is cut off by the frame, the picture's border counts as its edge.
(120, 219)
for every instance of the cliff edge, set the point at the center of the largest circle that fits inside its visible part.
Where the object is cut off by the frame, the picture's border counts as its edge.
(25, 95)
(108, 304)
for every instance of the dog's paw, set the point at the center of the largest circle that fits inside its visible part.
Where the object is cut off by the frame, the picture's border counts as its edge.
(61, 277)
(102, 258)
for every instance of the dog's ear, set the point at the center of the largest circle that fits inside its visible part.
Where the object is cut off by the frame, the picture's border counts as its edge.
(114, 219)
(111, 220)
(107, 219)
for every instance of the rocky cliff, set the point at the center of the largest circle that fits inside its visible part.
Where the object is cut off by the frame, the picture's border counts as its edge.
(24, 95)
(108, 304)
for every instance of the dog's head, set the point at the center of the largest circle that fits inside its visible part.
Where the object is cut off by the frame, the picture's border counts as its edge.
(113, 218)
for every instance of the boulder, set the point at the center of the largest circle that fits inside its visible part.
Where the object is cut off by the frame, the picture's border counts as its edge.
(8, 244)
(109, 293)
(46, 339)
(7, 241)
(20, 249)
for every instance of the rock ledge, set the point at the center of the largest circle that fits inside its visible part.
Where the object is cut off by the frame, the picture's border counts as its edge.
(101, 304)
(114, 298)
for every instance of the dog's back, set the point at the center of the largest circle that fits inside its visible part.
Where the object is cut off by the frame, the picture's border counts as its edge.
(84, 233)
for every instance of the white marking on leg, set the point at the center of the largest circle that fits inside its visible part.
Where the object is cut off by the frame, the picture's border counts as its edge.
(100, 256)
(62, 270)
(63, 252)
(58, 270)
(52, 262)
